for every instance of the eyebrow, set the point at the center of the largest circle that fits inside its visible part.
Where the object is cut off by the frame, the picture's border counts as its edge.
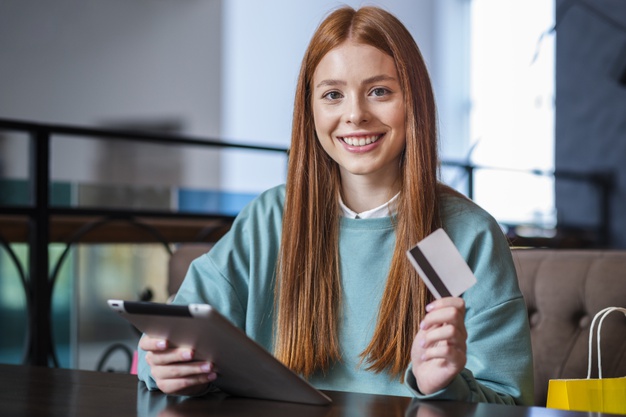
(374, 79)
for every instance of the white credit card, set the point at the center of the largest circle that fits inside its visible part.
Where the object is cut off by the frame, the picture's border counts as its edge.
(441, 266)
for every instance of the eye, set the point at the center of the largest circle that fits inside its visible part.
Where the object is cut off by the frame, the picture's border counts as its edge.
(379, 92)
(332, 95)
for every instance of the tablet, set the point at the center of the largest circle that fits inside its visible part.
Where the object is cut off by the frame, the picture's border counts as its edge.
(245, 369)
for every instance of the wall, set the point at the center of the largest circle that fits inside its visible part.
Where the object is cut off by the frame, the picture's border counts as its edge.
(591, 109)
(217, 68)
(110, 63)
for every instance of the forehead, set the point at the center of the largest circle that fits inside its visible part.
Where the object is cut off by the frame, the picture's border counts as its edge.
(351, 61)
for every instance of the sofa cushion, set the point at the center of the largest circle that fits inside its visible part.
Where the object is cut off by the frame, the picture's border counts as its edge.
(563, 290)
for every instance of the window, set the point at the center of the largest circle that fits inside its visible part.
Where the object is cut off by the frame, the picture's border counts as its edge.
(512, 109)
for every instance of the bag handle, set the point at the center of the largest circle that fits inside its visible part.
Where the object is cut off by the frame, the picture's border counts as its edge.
(601, 315)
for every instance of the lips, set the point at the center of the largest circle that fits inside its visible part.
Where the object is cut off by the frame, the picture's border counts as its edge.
(360, 140)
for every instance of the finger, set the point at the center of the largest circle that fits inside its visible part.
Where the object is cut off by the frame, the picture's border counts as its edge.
(148, 343)
(445, 352)
(443, 302)
(447, 333)
(169, 356)
(440, 317)
(184, 370)
(187, 384)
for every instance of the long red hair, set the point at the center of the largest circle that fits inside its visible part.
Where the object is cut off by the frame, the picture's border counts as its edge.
(308, 290)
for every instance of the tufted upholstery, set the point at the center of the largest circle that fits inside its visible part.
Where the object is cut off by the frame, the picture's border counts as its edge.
(563, 290)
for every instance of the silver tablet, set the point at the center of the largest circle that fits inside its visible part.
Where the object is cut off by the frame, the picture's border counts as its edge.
(245, 368)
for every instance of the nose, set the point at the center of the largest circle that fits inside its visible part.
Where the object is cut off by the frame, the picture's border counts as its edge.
(357, 112)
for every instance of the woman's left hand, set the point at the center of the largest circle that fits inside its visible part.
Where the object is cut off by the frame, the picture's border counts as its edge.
(439, 350)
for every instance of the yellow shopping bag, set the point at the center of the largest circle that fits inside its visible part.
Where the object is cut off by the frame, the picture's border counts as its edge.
(598, 395)
(607, 395)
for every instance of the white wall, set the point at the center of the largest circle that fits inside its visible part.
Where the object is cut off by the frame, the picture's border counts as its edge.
(103, 62)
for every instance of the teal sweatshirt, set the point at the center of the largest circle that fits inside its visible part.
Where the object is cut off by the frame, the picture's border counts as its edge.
(237, 278)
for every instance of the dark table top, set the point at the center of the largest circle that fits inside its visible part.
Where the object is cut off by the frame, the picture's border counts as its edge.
(41, 392)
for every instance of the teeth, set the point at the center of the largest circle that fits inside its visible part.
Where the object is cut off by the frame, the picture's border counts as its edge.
(361, 141)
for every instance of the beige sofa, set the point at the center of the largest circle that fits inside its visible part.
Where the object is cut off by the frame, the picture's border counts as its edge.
(563, 290)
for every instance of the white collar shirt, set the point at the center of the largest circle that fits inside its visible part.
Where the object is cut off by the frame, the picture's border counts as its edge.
(385, 210)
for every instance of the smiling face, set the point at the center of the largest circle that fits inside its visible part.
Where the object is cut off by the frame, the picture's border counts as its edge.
(359, 112)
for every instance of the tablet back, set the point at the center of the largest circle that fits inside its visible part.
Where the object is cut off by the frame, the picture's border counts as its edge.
(244, 367)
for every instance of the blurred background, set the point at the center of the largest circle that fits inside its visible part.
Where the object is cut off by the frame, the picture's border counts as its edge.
(530, 94)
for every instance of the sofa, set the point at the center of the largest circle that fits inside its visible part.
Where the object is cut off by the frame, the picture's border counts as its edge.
(564, 289)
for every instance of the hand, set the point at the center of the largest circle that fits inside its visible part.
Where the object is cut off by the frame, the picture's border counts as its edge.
(439, 350)
(174, 369)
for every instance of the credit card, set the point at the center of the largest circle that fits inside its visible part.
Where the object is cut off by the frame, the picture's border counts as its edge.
(441, 266)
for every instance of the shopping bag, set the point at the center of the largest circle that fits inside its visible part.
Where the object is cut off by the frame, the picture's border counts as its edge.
(607, 395)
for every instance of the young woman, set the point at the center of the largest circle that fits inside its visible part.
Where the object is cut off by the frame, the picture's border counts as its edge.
(316, 272)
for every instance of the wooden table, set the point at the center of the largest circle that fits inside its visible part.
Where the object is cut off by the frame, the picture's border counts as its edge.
(30, 391)
(65, 228)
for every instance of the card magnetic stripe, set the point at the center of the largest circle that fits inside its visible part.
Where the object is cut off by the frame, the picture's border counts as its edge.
(430, 272)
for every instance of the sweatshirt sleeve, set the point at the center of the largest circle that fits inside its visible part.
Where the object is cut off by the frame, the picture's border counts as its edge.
(499, 354)
(196, 288)
(241, 263)
(498, 369)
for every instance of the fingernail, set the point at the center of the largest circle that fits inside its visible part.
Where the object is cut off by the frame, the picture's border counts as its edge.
(429, 307)
(161, 344)
(206, 368)
(422, 343)
(187, 355)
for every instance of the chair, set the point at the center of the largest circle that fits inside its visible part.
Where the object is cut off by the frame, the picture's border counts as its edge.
(563, 290)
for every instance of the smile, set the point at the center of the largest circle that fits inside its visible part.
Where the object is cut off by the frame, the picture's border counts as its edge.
(361, 140)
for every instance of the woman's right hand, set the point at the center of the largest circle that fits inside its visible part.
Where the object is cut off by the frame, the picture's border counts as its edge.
(174, 369)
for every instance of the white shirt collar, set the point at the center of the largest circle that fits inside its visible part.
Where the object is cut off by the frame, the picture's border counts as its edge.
(385, 210)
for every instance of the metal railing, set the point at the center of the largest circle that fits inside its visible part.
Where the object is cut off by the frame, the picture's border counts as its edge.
(37, 282)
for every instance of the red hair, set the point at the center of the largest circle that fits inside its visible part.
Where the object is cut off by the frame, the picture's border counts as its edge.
(308, 290)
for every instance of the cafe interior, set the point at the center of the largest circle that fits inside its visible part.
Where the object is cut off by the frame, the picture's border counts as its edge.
(133, 132)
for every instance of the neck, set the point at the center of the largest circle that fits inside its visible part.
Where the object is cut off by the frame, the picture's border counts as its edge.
(360, 193)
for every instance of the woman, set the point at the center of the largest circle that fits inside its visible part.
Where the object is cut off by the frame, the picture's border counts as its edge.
(316, 270)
